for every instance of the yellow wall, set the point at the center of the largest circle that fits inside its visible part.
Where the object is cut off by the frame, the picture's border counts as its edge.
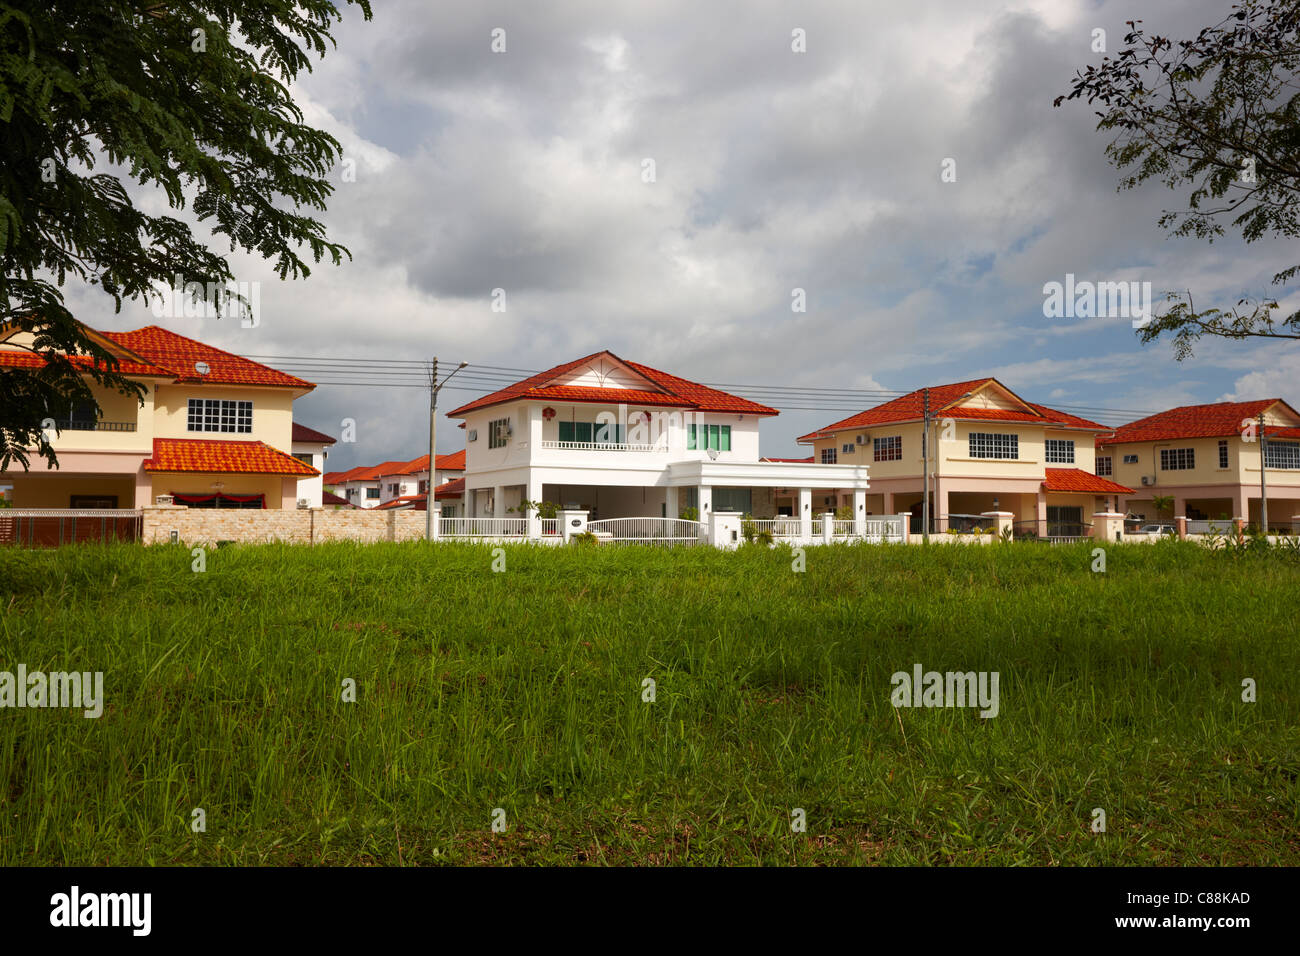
(115, 407)
(193, 484)
(1206, 472)
(55, 491)
(272, 413)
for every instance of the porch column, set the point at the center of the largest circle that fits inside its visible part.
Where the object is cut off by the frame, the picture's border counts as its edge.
(533, 492)
(1041, 527)
(859, 512)
(705, 498)
(143, 488)
(940, 505)
(1241, 502)
(805, 515)
(887, 507)
(499, 501)
(1180, 507)
(670, 502)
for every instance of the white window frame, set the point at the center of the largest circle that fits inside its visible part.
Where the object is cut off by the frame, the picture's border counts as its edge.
(994, 445)
(1105, 466)
(887, 448)
(829, 456)
(1059, 451)
(227, 416)
(1289, 461)
(1177, 459)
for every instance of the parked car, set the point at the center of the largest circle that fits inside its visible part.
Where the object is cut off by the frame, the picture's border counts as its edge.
(1156, 529)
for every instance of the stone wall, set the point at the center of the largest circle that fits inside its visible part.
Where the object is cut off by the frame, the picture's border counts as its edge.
(293, 525)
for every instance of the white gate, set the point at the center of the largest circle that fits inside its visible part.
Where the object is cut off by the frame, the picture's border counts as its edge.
(661, 531)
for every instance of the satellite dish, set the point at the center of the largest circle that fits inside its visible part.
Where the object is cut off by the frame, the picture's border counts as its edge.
(202, 368)
(713, 454)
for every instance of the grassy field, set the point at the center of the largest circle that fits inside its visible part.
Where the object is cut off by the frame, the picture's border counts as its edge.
(523, 690)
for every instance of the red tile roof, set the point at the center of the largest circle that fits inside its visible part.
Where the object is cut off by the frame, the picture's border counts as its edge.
(943, 404)
(17, 358)
(453, 462)
(223, 457)
(451, 489)
(1076, 479)
(338, 477)
(304, 434)
(329, 498)
(178, 354)
(675, 392)
(1217, 420)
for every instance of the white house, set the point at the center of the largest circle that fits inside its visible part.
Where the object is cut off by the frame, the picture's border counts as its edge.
(619, 439)
(309, 446)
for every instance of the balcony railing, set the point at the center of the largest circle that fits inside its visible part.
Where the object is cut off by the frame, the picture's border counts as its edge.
(74, 425)
(601, 446)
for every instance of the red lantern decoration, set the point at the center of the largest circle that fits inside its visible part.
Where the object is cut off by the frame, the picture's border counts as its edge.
(548, 413)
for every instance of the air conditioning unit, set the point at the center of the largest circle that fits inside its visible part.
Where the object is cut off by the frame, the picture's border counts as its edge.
(304, 503)
(1148, 480)
(862, 439)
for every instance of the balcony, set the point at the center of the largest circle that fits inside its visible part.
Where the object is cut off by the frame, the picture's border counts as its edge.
(82, 425)
(602, 446)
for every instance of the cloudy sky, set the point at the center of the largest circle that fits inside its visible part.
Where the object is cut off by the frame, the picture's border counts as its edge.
(774, 170)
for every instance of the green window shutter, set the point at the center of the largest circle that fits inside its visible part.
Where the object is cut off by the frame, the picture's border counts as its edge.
(583, 431)
(690, 437)
(726, 439)
(566, 431)
(713, 437)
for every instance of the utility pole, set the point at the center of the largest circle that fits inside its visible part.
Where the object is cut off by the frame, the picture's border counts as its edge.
(1263, 482)
(434, 388)
(925, 466)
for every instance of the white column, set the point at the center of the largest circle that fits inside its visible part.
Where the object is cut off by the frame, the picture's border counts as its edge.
(670, 499)
(533, 492)
(437, 520)
(724, 529)
(706, 502)
(571, 523)
(805, 515)
(859, 512)
(499, 501)
(828, 527)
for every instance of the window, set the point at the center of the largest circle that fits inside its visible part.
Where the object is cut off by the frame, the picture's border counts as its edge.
(220, 415)
(994, 445)
(732, 499)
(1177, 459)
(889, 448)
(1223, 454)
(704, 437)
(304, 457)
(394, 489)
(1060, 451)
(372, 494)
(849, 448)
(1130, 459)
(828, 456)
(1104, 466)
(1282, 454)
(601, 433)
(498, 433)
(423, 487)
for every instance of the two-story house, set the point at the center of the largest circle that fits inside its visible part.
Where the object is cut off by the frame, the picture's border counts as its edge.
(620, 439)
(311, 447)
(212, 430)
(374, 486)
(989, 450)
(1207, 458)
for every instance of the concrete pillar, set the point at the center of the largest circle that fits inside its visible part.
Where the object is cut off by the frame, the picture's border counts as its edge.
(1241, 501)
(1108, 526)
(828, 527)
(1041, 516)
(437, 521)
(1180, 526)
(887, 506)
(571, 523)
(533, 492)
(499, 501)
(705, 497)
(670, 499)
(940, 513)
(906, 519)
(143, 488)
(805, 515)
(1001, 520)
(859, 513)
(1295, 524)
(724, 529)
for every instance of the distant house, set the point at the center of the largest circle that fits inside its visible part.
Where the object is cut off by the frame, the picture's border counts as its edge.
(1207, 458)
(621, 439)
(990, 450)
(310, 447)
(214, 430)
(370, 486)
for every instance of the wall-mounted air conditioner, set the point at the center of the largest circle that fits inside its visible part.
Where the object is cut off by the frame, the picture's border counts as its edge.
(862, 439)
(1148, 480)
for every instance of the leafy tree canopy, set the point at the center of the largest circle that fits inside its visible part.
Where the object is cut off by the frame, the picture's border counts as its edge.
(191, 97)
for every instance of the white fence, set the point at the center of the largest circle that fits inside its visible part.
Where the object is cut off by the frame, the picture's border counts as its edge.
(778, 527)
(649, 530)
(1222, 526)
(484, 527)
(889, 528)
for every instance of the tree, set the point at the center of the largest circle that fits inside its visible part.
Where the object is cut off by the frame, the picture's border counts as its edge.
(1216, 115)
(190, 97)
(1162, 503)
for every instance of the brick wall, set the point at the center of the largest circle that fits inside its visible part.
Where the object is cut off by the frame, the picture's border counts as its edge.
(296, 526)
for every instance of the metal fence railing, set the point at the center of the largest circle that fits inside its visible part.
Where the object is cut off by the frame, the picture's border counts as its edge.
(54, 527)
(648, 530)
(483, 527)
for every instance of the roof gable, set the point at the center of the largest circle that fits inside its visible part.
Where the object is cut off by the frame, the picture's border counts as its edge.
(179, 356)
(1215, 420)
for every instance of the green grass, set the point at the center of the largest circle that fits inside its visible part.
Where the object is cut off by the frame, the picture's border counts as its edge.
(523, 690)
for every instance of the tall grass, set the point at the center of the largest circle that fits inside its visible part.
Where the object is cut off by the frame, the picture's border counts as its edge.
(523, 690)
